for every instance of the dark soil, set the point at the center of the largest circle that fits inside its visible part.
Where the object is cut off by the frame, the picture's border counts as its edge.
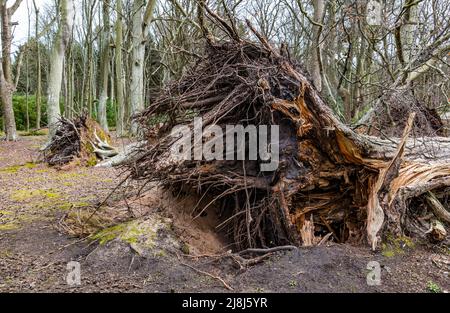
(34, 253)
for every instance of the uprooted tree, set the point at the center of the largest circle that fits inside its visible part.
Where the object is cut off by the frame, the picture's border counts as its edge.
(330, 182)
(80, 139)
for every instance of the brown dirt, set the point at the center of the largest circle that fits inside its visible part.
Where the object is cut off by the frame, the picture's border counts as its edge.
(34, 251)
(199, 233)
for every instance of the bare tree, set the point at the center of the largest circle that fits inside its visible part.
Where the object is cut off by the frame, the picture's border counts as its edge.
(105, 67)
(119, 77)
(6, 78)
(57, 63)
(141, 19)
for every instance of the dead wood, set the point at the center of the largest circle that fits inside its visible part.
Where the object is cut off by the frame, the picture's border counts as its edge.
(79, 139)
(391, 111)
(331, 182)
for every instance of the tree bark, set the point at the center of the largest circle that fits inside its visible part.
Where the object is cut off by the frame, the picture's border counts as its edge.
(120, 79)
(137, 63)
(57, 65)
(316, 64)
(38, 69)
(105, 68)
(140, 21)
(6, 77)
(6, 90)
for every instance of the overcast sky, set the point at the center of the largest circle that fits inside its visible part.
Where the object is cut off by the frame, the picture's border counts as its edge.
(21, 16)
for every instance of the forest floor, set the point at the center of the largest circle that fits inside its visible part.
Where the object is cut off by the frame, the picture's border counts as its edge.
(34, 251)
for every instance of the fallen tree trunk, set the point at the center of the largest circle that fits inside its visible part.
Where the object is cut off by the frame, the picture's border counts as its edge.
(331, 182)
(121, 157)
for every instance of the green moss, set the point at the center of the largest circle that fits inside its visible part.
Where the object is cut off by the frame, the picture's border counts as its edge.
(389, 253)
(92, 161)
(396, 246)
(130, 232)
(185, 248)
(35, 179)
(70, 205)
(7, 220)
(65, 176)
(108, 234)
(10, 169)
(6, 254)
(15, 168)
(24, 195)
(30, 165)
(8, 226)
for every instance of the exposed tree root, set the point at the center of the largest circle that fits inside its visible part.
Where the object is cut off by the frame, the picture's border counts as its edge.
(331, 182)
(79, 139)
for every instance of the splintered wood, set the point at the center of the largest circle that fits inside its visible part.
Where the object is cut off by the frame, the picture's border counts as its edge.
(331, 182)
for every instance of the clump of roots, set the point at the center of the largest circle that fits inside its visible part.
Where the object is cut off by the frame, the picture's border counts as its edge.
(330, 184)
(79, 139)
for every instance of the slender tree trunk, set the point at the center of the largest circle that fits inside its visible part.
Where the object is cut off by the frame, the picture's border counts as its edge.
(57, 65)
(120, 79)
(6, 91)
(137, 63)
(6, 78)
(409, 29)
(38, 69)
(316, 64)
(140, 22)
(88, 90)
(27, 66)
(105, 68)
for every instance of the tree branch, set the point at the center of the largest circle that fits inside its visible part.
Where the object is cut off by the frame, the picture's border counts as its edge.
(14, 7)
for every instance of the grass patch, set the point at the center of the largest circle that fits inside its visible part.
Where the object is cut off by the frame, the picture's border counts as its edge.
(34, 132)
(433, 287)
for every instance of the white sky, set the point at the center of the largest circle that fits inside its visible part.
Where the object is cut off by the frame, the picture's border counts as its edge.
(21, 16)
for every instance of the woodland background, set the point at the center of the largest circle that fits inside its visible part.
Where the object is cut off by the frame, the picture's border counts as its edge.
(109, 58)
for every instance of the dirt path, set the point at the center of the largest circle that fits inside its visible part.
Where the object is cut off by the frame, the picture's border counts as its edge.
(34, 253)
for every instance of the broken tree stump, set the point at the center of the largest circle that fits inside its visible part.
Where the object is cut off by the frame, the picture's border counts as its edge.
(331, 182)
(80, 139)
